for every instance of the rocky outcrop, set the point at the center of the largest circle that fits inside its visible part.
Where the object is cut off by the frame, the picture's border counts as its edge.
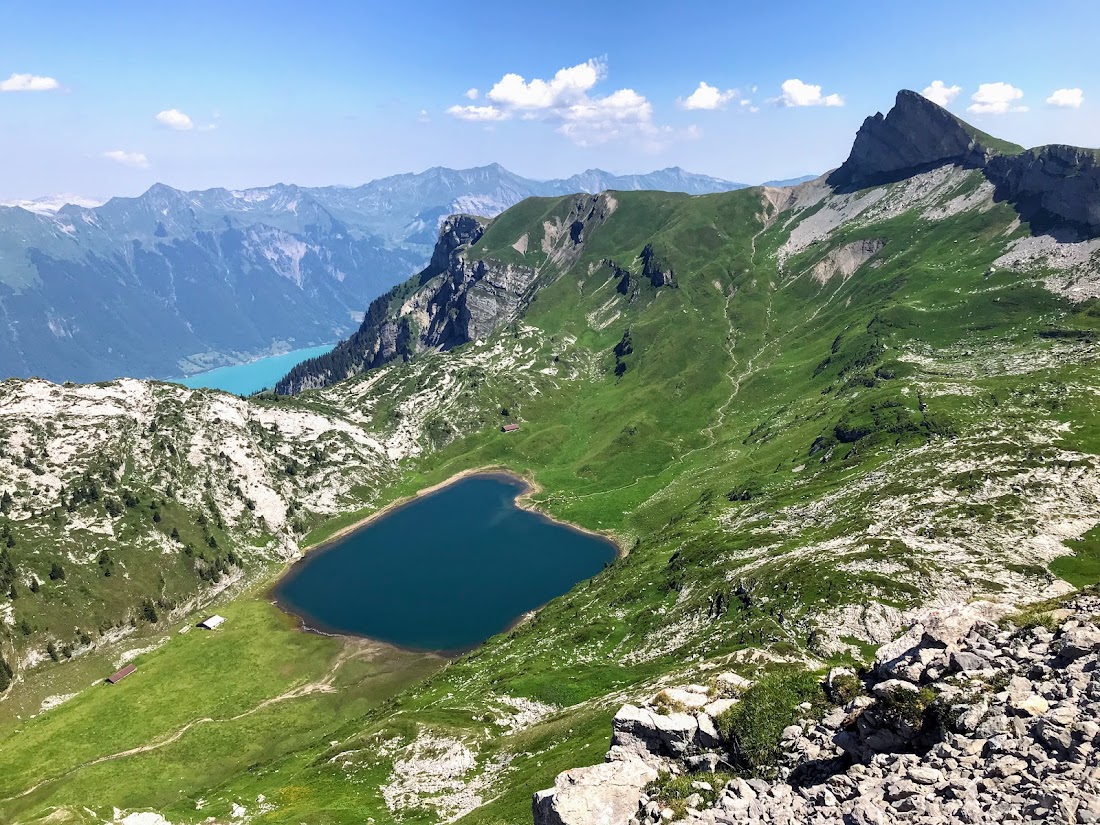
(672, 732)
(1049, 185)
(652, 269)
(604, 794)
(391, 328)
(1057, 181)
(915, 135)
(456, 299)
(959, 720)
(846, 259)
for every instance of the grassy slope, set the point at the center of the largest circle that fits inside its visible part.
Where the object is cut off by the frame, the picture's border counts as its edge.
(733, 378)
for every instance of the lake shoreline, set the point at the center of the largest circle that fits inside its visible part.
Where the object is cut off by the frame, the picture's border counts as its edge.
(522, 500)
(238, 377)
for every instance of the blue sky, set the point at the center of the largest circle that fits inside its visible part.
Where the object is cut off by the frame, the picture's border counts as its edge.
(252, 93)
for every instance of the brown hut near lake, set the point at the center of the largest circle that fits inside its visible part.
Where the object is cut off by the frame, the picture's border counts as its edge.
(119, 675)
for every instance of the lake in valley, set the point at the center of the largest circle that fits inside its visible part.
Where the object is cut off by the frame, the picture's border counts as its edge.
(253, 376)
(443, 572)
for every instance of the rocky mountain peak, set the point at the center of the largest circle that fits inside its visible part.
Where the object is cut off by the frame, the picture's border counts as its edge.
(455, 232)
(915, 134)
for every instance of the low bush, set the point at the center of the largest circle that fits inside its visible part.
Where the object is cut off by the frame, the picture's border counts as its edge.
(754, 725)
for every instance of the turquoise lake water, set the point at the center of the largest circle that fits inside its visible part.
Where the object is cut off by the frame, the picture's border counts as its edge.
(245, 379)
(445, 571)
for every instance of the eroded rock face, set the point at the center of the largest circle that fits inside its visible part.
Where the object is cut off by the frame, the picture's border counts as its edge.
(604, 794)
(1058, 183)
(654, 270)
(845, 260)
(1062, 181)
(458, 298)
(916, 134)
(392, 330)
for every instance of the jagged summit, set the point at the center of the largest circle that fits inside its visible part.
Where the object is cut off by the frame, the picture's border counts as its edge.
(915, 134)
(1049, 185)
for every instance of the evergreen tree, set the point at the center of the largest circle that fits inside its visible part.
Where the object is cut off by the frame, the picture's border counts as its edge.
(149, 611)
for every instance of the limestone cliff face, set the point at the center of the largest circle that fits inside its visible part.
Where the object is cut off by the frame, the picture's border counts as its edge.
(459, 297)
(916, 134)
(1062, 181)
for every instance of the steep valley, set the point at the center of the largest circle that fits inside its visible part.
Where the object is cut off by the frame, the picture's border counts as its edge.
(809, 415)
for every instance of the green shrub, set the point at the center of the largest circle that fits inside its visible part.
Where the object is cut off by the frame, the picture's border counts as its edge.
(845, 688)
(753, 726)
(672, 791)
(1031, 619)
(908, 706)
(664, 703)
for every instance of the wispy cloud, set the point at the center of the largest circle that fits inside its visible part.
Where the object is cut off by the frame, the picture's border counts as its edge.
(478, 113)
(795, 93)
(940, 93)
(472, 93)
(1066, 98)
(996, 99)
(707, 97)
(135, 159)
(28, 83)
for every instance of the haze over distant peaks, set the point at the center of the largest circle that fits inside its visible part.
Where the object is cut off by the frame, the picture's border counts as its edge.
(172, 282)
(49, 204)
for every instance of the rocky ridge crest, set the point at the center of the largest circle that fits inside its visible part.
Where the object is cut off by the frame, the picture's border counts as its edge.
(458, 298)
(1052, 182)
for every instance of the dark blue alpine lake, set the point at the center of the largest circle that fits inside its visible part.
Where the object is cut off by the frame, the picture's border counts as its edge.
(445, 571)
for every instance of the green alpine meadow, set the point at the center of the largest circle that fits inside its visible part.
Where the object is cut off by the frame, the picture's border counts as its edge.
(810, 418)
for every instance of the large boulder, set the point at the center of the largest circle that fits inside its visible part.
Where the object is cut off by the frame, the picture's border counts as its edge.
(934, 637)
(606, 794)
(645, 733)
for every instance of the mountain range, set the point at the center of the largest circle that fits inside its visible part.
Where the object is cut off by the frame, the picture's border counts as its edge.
(844, 434)
(174, 282)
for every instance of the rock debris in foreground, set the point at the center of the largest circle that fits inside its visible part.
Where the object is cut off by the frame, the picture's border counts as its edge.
(960, 721)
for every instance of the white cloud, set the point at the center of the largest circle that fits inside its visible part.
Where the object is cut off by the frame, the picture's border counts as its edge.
(128, 158)
(567, 86)
(940, 93)
(995, 99)
(478, 113)
(27, 83)
(747, 104)
(797, 93)
(1067, 98)
(583, 118)
(591, 121)
(175, 119)
(707, 97)
(472, 93)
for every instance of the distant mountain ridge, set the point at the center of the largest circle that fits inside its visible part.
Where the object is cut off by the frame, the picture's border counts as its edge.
(461, 297)
(173, 282)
